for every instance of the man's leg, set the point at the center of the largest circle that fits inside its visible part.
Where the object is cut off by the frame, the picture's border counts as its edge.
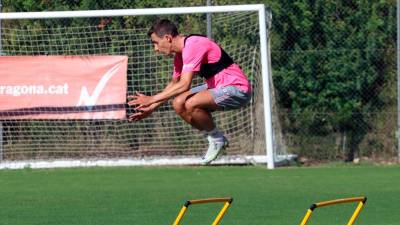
(195, 108)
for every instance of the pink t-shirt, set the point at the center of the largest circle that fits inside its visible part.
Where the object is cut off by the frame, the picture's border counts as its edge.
(200, 50)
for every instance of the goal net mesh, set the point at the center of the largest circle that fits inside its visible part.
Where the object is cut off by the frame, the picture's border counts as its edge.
(161, 134)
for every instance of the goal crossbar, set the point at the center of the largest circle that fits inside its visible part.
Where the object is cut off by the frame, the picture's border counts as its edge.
(130, 12)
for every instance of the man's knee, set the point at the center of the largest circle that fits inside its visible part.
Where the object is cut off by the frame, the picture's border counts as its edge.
(190, 105)
(179, 104)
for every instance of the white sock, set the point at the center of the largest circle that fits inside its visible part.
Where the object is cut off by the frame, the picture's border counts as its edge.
(216, 134)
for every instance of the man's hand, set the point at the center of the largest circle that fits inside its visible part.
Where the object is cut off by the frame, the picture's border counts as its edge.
(142, 113)
(140, 100)
(143, 104)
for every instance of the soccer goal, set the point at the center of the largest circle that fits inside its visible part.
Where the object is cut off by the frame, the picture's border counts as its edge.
(161, 139)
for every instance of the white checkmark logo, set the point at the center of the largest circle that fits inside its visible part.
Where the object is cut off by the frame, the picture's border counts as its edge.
(88, 100)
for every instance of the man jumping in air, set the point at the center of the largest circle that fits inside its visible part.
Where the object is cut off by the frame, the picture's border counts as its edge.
(226, 86)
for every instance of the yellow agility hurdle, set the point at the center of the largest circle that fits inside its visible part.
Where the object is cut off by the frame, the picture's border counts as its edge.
(361, 201)
(227, 201)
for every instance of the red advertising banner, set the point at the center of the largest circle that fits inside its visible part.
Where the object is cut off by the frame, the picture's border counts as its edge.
(63, 87)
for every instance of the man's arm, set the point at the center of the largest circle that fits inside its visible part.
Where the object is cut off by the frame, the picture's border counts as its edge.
(154, 105)
(182, 85)
(169, 85)
(145, 111)
(173, 89)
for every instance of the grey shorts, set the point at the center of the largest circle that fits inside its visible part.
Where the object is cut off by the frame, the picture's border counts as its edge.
(228, 97)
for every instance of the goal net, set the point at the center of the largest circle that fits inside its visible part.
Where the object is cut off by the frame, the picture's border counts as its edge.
(162, 138)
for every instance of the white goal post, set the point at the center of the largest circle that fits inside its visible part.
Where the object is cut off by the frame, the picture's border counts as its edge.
(269, 155)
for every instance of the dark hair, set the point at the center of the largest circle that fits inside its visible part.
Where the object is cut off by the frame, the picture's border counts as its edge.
(163, 27)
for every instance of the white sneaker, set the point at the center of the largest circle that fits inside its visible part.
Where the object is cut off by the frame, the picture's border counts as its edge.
(214, 149)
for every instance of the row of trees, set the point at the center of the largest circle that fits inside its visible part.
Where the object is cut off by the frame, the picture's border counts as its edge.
(335, 67)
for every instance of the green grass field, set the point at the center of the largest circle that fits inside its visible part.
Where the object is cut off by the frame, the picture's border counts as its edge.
(137, 195)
